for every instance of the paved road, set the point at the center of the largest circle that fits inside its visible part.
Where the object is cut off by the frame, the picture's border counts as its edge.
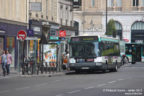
(129, 81)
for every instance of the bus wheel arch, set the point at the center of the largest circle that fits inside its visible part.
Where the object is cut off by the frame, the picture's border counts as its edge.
(116, 67)
(105, 67)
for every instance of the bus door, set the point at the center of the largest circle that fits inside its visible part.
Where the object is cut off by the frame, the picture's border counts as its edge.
(142, 54)
(138, 53)
(129, 52)
(133, 54)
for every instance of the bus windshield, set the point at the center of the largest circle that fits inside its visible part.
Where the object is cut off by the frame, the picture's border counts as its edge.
(84, 50)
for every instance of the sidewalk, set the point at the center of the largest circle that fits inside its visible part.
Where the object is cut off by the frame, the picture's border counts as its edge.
(12, 74)
(44, 74)
(17, 74)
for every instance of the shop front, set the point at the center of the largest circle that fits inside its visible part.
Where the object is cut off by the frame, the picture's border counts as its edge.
(8, 41)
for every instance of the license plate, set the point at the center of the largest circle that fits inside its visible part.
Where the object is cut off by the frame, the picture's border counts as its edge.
(85, 68)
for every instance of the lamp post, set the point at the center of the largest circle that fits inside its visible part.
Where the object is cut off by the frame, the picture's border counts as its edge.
(106, 16)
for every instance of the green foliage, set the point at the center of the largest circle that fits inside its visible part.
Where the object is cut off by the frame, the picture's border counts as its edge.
(52, 46)
(111, 30)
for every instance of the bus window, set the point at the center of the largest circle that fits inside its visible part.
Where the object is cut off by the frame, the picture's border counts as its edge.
(85, 50)
(110, 49)
(142, 50)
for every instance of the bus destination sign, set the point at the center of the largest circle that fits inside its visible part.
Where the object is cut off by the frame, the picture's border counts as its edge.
(86, 38)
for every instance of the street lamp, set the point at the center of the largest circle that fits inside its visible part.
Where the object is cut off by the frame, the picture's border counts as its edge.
(106, 16)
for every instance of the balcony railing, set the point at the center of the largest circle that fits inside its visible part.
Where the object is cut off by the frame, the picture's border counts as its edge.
(135, 8)
(114, 8)
(78, 8)
(141, 8)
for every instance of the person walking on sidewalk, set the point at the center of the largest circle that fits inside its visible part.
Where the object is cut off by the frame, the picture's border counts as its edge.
(9, 62)
(4, 62)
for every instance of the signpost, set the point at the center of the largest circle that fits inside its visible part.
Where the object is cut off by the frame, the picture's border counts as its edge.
(30, 32)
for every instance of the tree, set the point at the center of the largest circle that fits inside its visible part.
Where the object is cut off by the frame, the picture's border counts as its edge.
(111, 30)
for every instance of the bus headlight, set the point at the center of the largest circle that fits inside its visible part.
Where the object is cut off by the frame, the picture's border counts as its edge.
(98, 59)
(98, 63)
(72, 60)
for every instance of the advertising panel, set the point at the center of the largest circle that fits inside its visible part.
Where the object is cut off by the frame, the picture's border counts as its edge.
(50, 54)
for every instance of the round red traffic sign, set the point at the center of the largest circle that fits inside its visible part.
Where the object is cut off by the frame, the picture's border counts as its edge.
(21, 35)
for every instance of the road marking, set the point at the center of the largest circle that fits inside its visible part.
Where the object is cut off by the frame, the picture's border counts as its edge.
(59, 95)
(22, 88)
(120, 79)
(39, 85)
(57, 80)
(89, 87)
(74, 91)
(100, 85)
(5, 91)
(112, 82)
(6, 77)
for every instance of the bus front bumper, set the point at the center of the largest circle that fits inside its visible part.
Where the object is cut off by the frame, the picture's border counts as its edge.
(87, 66)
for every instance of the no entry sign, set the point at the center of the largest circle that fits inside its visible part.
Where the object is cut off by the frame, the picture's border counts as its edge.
(21, 35)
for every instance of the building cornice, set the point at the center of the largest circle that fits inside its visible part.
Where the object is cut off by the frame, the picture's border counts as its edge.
(125, 13)
(119, 13)
(12, 22)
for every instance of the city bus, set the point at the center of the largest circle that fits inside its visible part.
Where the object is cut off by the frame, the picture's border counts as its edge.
(135, 52)
(94, 53)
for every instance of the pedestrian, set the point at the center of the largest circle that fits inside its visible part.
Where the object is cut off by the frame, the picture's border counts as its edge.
(0, 66)
(65, 61)
(4, 62)
(9, 62)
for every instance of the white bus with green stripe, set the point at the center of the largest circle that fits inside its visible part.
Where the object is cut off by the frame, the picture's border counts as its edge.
(94, 53)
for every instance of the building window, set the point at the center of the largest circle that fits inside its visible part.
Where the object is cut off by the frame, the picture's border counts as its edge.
(143, 3)
(76, 3)
(112, 3)
(61, 21)
(61, 6)
(93, 3)
(118, 3)
(118, 26)
(46, 17)
(71, 23)
(66, 22)
(138, 26)
(135, 2)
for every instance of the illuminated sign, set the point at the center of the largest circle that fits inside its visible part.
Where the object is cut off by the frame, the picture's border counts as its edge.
(87, 38)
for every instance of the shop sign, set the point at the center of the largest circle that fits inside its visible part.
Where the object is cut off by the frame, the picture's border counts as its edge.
(62, 33)
(21, 35)
(31, 38)
(54, 38)
(139, 41)
(30, 32)
(1, 31)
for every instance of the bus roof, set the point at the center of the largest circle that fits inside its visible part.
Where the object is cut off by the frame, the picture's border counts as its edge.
(100, 38)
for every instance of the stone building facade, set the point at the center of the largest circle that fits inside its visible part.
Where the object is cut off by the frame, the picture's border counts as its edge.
(127, 14)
